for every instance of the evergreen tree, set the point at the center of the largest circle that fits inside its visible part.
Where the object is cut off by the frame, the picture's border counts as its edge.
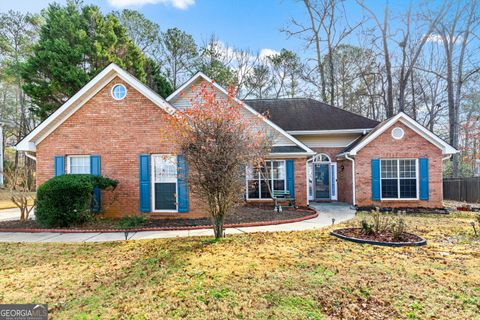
(76, 42)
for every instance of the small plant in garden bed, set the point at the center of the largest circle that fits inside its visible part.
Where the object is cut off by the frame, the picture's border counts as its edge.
(378, 227)
(129, 222)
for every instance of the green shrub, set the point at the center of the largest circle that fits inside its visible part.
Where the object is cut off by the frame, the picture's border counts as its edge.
(398, 228)
(367, 228)
(129, 222)
(67, 199)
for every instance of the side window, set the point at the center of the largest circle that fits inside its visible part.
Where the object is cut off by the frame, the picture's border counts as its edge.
(78, 164)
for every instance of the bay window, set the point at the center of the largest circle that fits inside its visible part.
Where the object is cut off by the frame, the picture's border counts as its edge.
(399, 178)
(259, 179)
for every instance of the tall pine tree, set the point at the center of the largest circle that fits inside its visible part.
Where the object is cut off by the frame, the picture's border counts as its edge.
(76, 42)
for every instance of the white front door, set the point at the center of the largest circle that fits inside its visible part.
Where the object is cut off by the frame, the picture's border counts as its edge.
(322, 181)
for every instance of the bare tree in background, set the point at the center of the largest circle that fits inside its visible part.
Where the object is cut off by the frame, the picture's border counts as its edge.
(327, 28)
(457, 35)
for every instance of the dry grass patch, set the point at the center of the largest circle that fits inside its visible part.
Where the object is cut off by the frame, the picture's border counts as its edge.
(295, 275)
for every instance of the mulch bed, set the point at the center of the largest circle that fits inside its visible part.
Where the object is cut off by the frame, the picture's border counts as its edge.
(383, 238)
(241, 216)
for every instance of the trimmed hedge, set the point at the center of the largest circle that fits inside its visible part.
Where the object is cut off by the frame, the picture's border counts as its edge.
(66, 200)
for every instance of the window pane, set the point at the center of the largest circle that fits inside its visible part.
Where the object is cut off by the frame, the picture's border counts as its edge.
(407, 168)
(279, 185)
(279, 170)
(266, 171)
(389, 168)
(253, 189)
(389, 188)
(165, 169)
(408, 188)
(264, 190)
(79, 165)
(252, 173)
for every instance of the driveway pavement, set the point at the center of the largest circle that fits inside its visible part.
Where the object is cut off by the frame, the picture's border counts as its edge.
(327, 211)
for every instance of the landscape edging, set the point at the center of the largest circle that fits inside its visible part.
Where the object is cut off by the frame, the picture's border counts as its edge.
(380, 243)
(232, 225)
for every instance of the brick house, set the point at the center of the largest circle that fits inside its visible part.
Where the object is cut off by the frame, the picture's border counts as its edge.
(320, 153)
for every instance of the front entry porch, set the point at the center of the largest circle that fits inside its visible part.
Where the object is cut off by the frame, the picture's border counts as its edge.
(321, 178)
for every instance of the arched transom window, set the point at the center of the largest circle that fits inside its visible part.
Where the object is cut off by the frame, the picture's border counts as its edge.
(321, 157)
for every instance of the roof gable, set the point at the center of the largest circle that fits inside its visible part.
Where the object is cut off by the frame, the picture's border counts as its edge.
(81, 97)
(362, 141)
(199, 76)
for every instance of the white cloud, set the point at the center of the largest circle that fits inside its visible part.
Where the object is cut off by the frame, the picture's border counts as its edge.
(435, 38)
(265, 53)
(180, 4)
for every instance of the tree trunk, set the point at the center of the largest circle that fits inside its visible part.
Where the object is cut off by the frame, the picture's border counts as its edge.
(218, 223)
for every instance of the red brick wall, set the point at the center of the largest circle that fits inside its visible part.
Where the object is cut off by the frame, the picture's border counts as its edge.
(411, 145)
(118, 131)
(300, 169)
(344, 181)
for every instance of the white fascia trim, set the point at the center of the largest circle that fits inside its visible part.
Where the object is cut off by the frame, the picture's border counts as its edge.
(253, 111)
(290, 154)
(106, 75)
(412, 124)
(327, 132)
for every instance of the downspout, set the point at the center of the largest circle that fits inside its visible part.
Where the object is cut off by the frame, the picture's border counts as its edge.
(353, 177)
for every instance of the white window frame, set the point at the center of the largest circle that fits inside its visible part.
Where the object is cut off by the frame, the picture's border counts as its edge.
(113, 95)
(399, 178)
(69, 158)
(152, 182)
(271, 181)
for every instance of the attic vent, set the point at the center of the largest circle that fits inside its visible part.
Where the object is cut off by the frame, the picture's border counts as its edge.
(398, 133)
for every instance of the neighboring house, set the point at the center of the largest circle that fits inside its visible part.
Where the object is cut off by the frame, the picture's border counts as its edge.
(320, 153)
(476, 172)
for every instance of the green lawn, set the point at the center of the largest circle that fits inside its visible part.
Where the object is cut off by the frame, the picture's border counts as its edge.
(297, 275)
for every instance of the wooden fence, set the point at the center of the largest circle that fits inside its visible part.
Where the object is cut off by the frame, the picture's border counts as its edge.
(462, 189)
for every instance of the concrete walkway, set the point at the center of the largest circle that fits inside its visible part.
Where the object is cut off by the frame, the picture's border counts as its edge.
(327, 211)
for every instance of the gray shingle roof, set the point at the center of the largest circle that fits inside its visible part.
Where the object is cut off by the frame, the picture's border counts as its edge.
(286, 149)
(298, 114)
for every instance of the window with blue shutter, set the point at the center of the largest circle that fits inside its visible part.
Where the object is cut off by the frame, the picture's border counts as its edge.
(145, 202)
(290, 177)
(423, 164)
(183, 205)
(97, 193)
(59, 165)
(375, 179)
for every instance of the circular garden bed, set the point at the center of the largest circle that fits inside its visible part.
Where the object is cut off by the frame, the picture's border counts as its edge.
(385, 238)
(243, 216)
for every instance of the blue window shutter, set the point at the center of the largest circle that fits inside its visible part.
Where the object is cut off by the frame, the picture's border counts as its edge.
(423, 178)
(290, 177)
(182, 197)
(145, 203)
(59, 165)
(375, 179)
(97, 193)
